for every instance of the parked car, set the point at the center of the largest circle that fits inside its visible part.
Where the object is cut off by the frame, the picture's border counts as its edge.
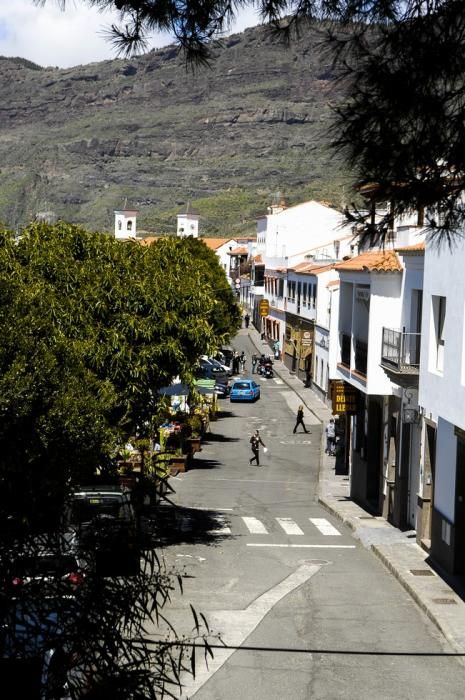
(59, 572)
(101, 522)
(36, 658)
(244, 390)
(206, 371)
(216, 363)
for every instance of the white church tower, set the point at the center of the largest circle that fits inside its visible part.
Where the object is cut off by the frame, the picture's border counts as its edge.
(125, 224)
(188, 224)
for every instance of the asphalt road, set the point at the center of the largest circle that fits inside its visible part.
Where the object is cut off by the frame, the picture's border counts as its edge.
(273, 572)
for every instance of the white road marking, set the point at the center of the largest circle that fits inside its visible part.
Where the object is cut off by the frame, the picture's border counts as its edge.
(325, 527)
(225, 530)
(289, 526)
(278, 381)
(236, 625)
(255, 526)
(212, 509)
(303, 546)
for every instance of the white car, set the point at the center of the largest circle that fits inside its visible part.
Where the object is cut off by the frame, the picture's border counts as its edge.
(216, 363)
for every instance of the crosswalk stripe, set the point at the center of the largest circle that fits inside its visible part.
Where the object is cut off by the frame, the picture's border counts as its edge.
(289, 526)
(255, 526)
(324, 526)
(278, 381)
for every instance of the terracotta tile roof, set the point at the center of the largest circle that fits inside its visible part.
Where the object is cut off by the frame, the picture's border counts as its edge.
(372, 261)
(240, 250)
(215, 243)
(258, 260)
(416, 248)
(311, 268)
(148, 240)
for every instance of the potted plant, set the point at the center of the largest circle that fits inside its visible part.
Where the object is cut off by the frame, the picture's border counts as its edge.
(195, 428)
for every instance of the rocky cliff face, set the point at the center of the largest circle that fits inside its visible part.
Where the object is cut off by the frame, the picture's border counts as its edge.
(153, 134)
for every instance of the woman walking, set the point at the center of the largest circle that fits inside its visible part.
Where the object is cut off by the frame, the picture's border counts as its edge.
(300, 419)
(255, 442)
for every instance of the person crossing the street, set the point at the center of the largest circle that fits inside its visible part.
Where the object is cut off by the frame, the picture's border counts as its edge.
(255, 442)
(300, 419)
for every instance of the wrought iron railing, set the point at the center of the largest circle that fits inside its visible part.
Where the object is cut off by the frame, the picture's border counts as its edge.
(400, 350)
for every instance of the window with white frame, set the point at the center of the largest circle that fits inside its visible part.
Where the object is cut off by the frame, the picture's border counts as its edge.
(439, 318)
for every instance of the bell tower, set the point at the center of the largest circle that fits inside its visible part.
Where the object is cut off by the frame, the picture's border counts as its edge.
(125, 223)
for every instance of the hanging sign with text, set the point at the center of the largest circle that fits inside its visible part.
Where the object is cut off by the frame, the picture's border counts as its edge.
(344, 398)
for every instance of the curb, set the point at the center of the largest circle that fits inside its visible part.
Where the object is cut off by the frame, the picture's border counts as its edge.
(419, 600)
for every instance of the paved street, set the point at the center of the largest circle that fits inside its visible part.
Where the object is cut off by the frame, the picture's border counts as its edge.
(274, 572)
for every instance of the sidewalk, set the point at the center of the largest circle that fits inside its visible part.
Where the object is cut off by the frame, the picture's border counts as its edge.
(397, 550)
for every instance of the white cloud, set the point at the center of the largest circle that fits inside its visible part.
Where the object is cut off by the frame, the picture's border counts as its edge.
(51, 37)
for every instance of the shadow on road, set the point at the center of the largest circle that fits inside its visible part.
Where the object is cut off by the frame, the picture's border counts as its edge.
(171, 525)
(199, 463)
(217, 437)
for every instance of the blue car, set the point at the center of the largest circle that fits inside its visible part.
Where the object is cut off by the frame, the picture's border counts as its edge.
(244, 390)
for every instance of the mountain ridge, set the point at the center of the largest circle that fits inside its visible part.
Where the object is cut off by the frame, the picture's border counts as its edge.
(147, 131)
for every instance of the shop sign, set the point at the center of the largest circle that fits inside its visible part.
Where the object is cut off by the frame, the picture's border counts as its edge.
(344, 398)
(306, 338)
(264, 307)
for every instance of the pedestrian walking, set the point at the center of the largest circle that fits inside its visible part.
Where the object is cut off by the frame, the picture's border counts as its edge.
(235, 363)
(330, 437)
(247, 320)
(255, 442)
(300, 419)
(254, 363)
(242, 360)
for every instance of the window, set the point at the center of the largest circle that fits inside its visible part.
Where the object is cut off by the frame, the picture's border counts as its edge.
(129, 225)
(304, 295)
(120, 225)
(439, 318)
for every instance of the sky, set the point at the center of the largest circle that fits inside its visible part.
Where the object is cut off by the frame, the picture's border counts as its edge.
(50, 37)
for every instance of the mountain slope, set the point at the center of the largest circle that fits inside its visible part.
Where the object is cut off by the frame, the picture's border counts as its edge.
(153, 134)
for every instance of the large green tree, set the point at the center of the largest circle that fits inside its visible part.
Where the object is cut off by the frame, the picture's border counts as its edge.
(90, 329)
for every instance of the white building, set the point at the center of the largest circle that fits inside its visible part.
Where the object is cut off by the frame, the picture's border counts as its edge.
(379, 345)
(188, 224)
(288, 240)
(442, 402)
(125, 224)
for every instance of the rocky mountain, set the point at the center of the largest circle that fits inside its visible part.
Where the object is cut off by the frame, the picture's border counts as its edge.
(155, 134)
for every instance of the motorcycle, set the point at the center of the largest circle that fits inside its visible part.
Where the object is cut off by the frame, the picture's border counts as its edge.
(268, 372)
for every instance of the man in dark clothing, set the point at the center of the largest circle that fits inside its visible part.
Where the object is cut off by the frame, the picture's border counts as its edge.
(255, 442)
(247, 320)
(300, 419)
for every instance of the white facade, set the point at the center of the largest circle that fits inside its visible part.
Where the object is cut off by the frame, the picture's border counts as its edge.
(187, 225)
(310, 233)
(125, 223)
(442, 378)
(442, 382)
(294, 230)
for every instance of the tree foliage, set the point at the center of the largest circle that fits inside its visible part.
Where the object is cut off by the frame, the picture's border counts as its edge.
(91, 329)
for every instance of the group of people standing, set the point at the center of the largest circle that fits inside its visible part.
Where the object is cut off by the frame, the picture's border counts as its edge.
(238, 362)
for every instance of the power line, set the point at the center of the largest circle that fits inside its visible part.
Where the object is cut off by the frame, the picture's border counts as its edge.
(326, 652)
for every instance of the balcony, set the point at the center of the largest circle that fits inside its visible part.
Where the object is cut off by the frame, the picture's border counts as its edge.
(400, 355)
